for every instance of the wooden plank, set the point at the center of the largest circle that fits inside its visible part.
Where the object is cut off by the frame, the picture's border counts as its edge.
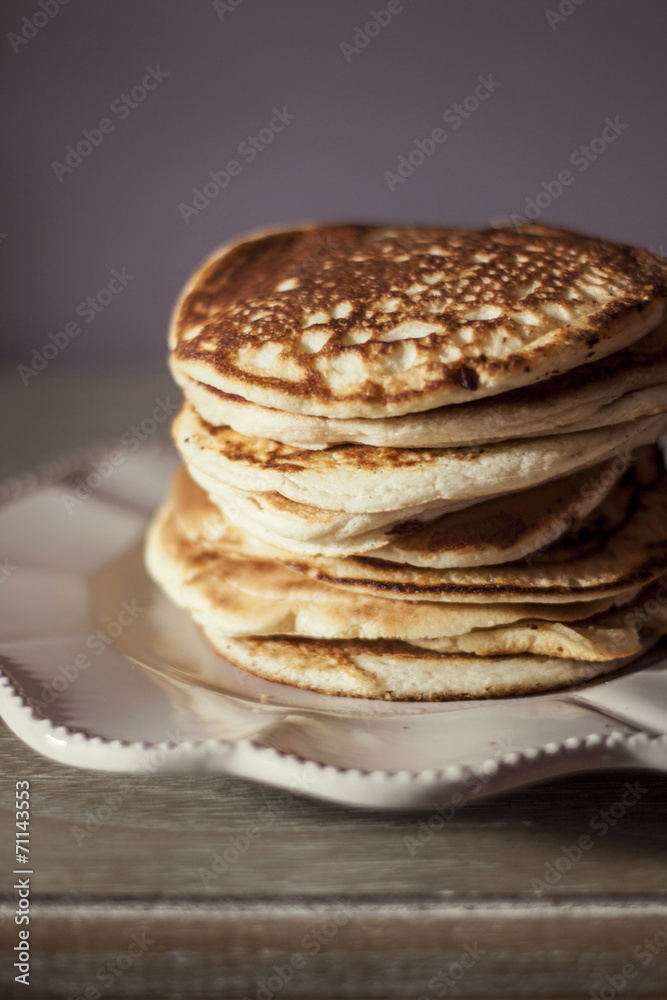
(331, 948)
(118, 843)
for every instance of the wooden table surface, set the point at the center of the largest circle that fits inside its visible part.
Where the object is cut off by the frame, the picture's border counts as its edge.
(131, 895)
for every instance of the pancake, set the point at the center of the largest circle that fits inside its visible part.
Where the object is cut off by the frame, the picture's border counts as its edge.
(399, 671)
(305, 528)
(402, 320)
(493, 531)
(633, 554)
(620, 545)
(506, 528)
(359, 479)
(239, 596)
(625, 386)
(483, 651)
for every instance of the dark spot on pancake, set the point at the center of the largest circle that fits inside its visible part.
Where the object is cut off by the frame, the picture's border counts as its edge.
(466, 377)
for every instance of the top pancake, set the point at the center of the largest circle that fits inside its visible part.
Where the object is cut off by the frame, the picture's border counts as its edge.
(360, 321)
(623, 386)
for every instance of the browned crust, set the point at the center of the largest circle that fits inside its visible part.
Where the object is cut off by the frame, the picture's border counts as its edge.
(633, 521)
(236, 303)
(648, 561)
(339, 653)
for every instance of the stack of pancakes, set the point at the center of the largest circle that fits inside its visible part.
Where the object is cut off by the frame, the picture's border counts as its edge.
(420, 463)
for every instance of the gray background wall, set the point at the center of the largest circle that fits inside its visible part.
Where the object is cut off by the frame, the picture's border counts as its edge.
(355, 116)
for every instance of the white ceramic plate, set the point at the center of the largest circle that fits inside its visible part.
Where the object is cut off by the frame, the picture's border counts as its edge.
(99, 670)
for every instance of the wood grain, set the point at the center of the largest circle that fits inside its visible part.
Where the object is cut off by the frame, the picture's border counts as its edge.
(406, 917)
